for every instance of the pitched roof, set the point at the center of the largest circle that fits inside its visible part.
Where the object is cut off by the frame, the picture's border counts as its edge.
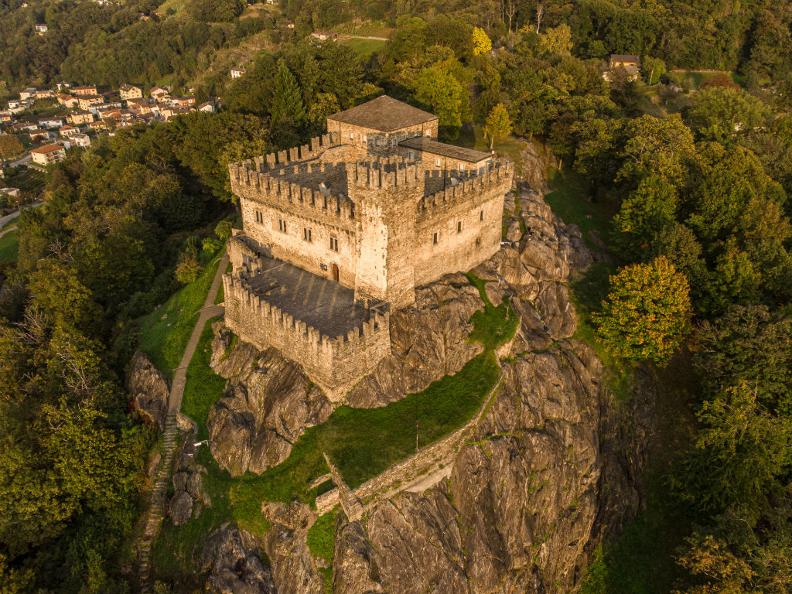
(625, 58)
(427, 145)
(47, 148)
(384, 114)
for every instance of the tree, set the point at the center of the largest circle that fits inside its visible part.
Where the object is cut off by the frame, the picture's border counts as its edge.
(287, 107)
(647, 312)
(482, 44)
(740, 452)
(557, 41)
(653, 69)
(722, 113)
(643, 215)
(659, 146)
(10, 146)
(498, 124)
(437, 88)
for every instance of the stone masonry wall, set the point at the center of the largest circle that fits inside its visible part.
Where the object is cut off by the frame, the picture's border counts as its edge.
(335, 364)
(375, 140)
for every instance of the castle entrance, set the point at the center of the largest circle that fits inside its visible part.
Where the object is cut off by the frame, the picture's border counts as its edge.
(334, 271)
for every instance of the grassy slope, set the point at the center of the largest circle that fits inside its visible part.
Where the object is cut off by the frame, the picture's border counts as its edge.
(362, 442)
(364, 47)
(165, 331)
(9, 247)
(321, 543)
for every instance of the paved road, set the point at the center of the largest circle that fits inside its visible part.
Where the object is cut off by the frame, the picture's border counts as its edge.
(10, 217)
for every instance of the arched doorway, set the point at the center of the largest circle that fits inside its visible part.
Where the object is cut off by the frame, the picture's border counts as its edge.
(334, 271)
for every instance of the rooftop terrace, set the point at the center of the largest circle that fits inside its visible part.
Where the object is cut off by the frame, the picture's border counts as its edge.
(319, 302)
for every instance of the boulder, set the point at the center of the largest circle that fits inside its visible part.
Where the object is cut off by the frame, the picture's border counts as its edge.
(232, 559)
(429, 340)
(268, 404)
(148, 390)
(357, 571)
(189, 495)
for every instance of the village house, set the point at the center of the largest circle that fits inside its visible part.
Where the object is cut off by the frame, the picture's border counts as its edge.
(6, 117)
(323, 35)
(85, 102)
(237, 72)
(130, 92)
(159, 94)
(81, 140)
(41, 29)
(51, 123)
(138, 106)
(85, 91)
(206, 107)
(67, 101)
(630, 65)
(337, 234)
(98, 126)
(20, 127)
(10, 192)
(40, 135)
(182, 101)
(48, 154)
(44, 94)
(78, 118)
(28, 94)
(68, 131)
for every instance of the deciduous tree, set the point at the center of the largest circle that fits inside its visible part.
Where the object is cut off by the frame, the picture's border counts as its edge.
(647, 312)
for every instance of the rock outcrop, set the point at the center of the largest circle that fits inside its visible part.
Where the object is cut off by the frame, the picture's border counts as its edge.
(268, 404)
(234, 565)
(148, 390)
(428, 341)
(189, 497)
(293, 567)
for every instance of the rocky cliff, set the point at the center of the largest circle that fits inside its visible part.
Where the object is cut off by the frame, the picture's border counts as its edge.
(524, 502)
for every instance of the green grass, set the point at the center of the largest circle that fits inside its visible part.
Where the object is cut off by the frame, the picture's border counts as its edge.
(364, 47)
(321, 543)
(203, 386)
(165, 331)
(570, 199)
(9, 247)
(492, 326)
(364, 28)
(365, 442)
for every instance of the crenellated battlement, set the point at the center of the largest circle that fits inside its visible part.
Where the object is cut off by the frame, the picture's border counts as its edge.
(272, 161)
(302, 333)
(461, 190)
(390, 172)
(279, 188)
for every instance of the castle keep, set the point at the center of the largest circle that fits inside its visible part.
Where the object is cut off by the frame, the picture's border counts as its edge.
(337, 233)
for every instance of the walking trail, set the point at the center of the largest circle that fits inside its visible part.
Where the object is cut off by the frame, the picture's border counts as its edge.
(156, 511)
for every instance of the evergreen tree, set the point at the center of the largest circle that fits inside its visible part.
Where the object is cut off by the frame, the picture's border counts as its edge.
(287, 107)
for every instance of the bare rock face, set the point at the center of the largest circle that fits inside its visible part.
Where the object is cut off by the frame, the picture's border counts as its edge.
(428, 340)
(231, 556)
(294, 569)
(521, 501)
(268, 404)
(189, 495)
(359, 573)
(148, 390)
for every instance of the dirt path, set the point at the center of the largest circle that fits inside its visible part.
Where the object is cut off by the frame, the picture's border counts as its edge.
(156, 511)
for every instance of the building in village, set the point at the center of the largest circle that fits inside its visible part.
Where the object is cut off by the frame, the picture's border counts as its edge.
(48, 154)
(339, 232)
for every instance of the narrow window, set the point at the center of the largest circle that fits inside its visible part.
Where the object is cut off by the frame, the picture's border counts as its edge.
(307, 234)
(481, 215)
(459, 226)
(435, 237)
(437, 162)
(259, 218)
(282, 225)
(478, 241)
(334, 244)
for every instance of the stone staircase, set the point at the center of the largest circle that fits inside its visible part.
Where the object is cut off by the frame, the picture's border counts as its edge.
(159, 495)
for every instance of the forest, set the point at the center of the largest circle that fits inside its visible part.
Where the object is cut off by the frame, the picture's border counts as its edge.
(692, 179)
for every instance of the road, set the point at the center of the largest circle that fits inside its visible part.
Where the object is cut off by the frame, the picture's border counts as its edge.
(12, 216)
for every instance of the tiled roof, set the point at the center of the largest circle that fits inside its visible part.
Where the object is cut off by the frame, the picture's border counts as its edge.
(384, 114)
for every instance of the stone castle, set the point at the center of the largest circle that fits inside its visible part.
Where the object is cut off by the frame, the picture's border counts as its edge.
(337, 233)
